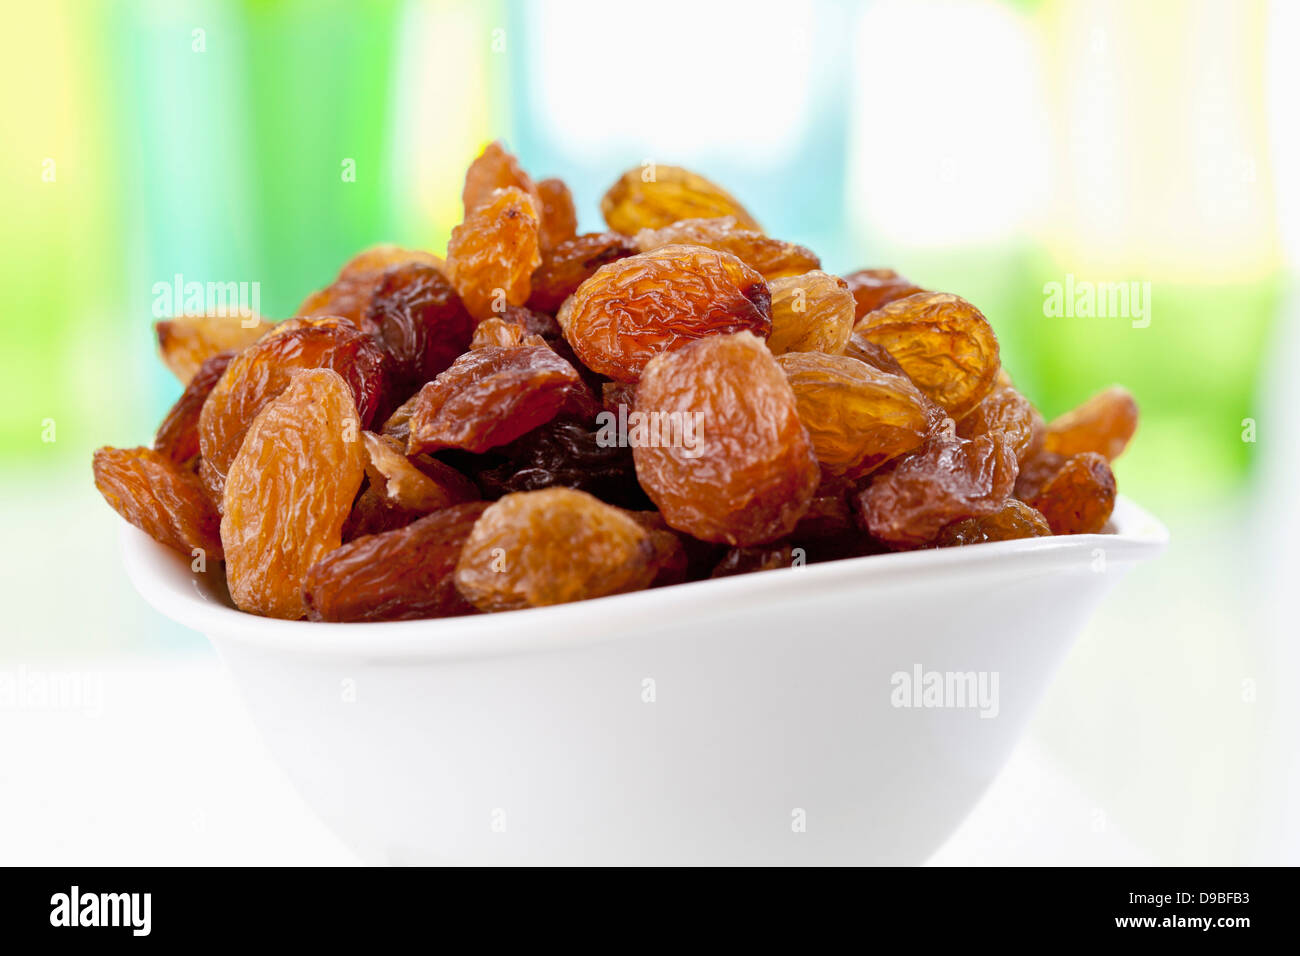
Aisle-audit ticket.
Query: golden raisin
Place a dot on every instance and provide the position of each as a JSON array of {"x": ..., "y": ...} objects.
[
  {"x": 490, "y": 396},
  {"x": 857, "y": 417},
  {"x": 289, "y": 490},
  {"x": 877, "y": 356},
  {"x": 422, "y": 485},
  {"x": 635, "y": 308},
  {"x": 178, "y": 435},
  {"x": 349, "y": 294},
  {"x": 495, "y": 168},
  {"x": 652, "y": 196},
  {"x": 571, "y": 263},
  {"x": 187, "y": 341},
  {"x": 1079, "y": 497},
  {"x": 770, "y": 258},
  {"x": 1103, "y": 424},
  {"x": 812, "y": 312},
  {"x": 1005, "y": 410},
  {"x": 159, "y": 497},
  {"x": 944, "y": 343},
  {"x": 492, "y": 254},
  {"x": 559, "y": 218},
  {"x": 873, "y": 288},
  {"x": 398, "y": 575},
  {"x": 1013, "y": 520},
  {"x": 537, "y": 548},
  {"x": 748, "y": 472}
]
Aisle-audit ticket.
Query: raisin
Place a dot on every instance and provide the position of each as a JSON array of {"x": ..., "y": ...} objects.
[
  {"x": 289, "y": 490},
  {"x": 1103, "y": 424},
  {"x": 812, "y": 312},
  {"x": 770, "y": 258},
  {"x": 492, "y": 254},
  {"x": 1036, "y": 470},
  {"x": 653, "y": 196},
  {"x": 873, "y": 288},
  {"x": 658, "y": 301},
  {"x": 768, "y": 557},
  {"x": 877, "y": 356},
  {"x": 566, "y": 453},
  {"x": 538, "y": 548},
  {"x": 829, "y": 513},
  {"x": 504, "y": 333},
  {"x": 1013, "y": 520},
  {"x": 187, "y": 341},
  {"x": 537, "y": 322},
  {"x": 495, "y": 168},
  {"x": 349, "y": 294},
  {"x": 948, "y": 479},
  {"x": 616, "y": 394},
  {"x": 1079, "y": 498},
  {"x": 262, "y": 371},
  {"x": 559, "y": 218},
  {"x": 1005, "y": 410},
  {"x": 398, "y": 424},
  {"x": 178, "y": 435},
  {"x": 856, "y": 416},
  {"x": 490, "y": 396},
  {"x": 569, "y": 264},
  {"x": 399, "y": 575},
  {"x": 749, "y": 472},
  {"x": 159, "y": 497},
  {"x": 422, "y": 485},
  {"x": 374, "y": 513},
  {"x": 943, "y": 342},
  {"x": 419, "y": 320}
]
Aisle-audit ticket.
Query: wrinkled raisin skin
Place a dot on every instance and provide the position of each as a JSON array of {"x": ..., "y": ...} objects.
[
  {"x": 653, "y": 197},
  {"x": 1079, "y": 498},
  {"x": 349, "y": 294},
  {"x": 751, "y": 473},
  {"x": 873, "y": 288},
  {"x": 492, "y": 254},
  {"x": 1004, "y": 410},
  {"x": 187, "y": 341},
  {"x": 559, "y": 217},
  {"x": 1104, "y": 424},
  {"x": 812, "y": 312},
  {"x": 159, "y": 497},
  {"x": 399, "y": 575},
  {"x": 636, "y": 308},
  {"x": 771, "y": 258},
  {"x": 1014, "y": 520},
  {"x": 420, "y": 321},
  {"x": 571, "y": 263},
  {"x": 178, "y": 435}
]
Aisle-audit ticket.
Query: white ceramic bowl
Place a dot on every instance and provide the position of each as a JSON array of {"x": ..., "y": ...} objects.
[{"x": 748, "y": 720}]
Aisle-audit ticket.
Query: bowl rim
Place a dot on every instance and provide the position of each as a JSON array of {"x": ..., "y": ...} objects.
[{"x": 163, "y": 577}]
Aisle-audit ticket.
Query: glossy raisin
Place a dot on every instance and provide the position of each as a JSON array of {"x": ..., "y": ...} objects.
[
  {"x": 1012, "y": 521},
  {"x": 1005, "y": 410},
  {"x": 749, "y": 472},
  {"x": 1103, "y": 424},
  {"x": 569, "y": 264},
  {"x": 423, "y": 484},
  {"x": 159, "y": 497},
  {"x": 399, "y": 575},
  {"x": 349, "y": 294},
  {"x": 873, "y": 288},
  {"x": 495, "y": 168},
  {"x": 492, "y": 254},
  {"x": 769, "y": 557},
  {"x": 948, "y": 479},
  {"x": 812, "y": 312},
  {"x": 636, "y": 308},
  {"x": 653, "y": 196},
  {"x": 770, "y": 258},
  {"x": 289, "y": 490},
  {"x": 1079, "y": 497},
  {"x": 419, "y": 320},
  {"x": 944, "y": 343},
  {"x": 490, "y": 396},
  {"x": 178, "y": 435},
  {"x": 559, "y": 217},
  {"x": 877, "y": 356},
  {"x": 187, "y": 341},
  {"x": 538, "y": 548}
]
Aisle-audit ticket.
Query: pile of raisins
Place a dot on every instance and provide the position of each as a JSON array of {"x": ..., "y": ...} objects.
[{"x": 543, "y": 416}]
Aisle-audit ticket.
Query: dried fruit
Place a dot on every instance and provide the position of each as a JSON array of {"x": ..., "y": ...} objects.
[
  {"x": 374, "y": 513},
  {"x": 770, "y": 258},
  {"x": 1079, "y": 497},
  {"x": 490, "y": 396},
  {"x": 1013, "y": 520},
  {"x": 426, "y": 486},
  {"x": 419, "y": 320},
  {"x": 768, "y": 557},
  {"x": 559, "y": 218},
  {"x": 856, "y": 416},
  {"x": 492, "y": 254},
  {"x": 178, "y": 435},
  {"x": 494, "y": 169},
  {"x": 262, "y": 371},
  {"x": 947, "y": 479},
  {"x": 1103, "y": 424},
  {"x": 749, "y": 472},
  {"x": 504, "y": 333},
  {"x": 652, "y": 196},
  {"x": 399, "y": 575},
  {"x": 159, "y": 497},
  {"x": 873, "y": 288},
  {"x": 1004, "y": 410},
  {"x": 289, "y": 490},
  {"x": 187, "y": 341},
  {"x": 812, "y": 312},
  {"x": 943, "y": 343},
  {"x": 569, "y": 264},
  {"x": 349, "y": 294},
  {"x": 553, "y": 546},
  {"x": 635, "y": 308},
  {"x": 877, "y": 356}
]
